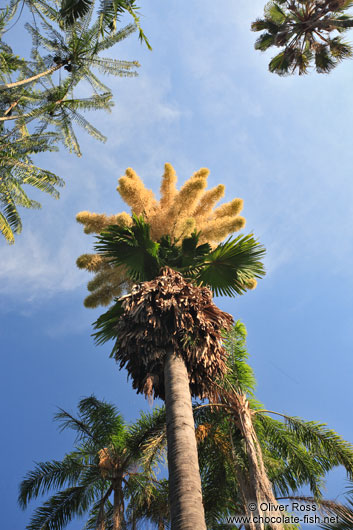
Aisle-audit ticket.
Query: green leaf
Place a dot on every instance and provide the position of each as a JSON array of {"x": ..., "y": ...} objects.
[{"x": 230, "y": 265}]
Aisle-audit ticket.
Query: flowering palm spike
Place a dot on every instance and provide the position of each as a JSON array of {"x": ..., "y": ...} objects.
[{"x": 177, "y": 214}]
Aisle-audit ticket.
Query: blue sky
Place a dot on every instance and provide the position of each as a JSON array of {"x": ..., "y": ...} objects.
[{"x": 203, "y": 97}]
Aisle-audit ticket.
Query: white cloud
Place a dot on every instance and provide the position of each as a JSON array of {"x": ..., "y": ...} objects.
[{"x": 34, "y": 269}]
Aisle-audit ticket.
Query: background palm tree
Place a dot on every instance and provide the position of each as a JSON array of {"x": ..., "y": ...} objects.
[
  {"x": 295, "y": 453},
  {"x": 40, "y": 112},
  {"x": 168, "y": 333},
  {"x": 93, "y": 479},
  {"x": 308, "y": 33}
]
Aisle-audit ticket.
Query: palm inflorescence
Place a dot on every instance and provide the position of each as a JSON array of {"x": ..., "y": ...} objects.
[{"x": 182, "y": 230}]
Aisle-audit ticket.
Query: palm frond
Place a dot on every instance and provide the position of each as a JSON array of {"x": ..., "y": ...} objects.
[
  {"x": 61, "y": 508},
  {"x": 131, "y": 247},
  {"x": 227, "y": 268},
  {"x": 47, "y": 476}
]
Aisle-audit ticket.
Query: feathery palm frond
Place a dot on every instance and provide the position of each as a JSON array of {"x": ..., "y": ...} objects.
[
  {"x": 107, "y": 448},
  {"x": 17, "y": 170},
  {"x": 61, "y": 508},
  {"x": 47, "y": 476}
]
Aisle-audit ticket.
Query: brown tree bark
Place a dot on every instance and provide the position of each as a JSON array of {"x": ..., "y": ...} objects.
[
  {"x": 256, "y": 487},
  {"x": 118, "y": 508},
  {"x": 185, "y": 496}
]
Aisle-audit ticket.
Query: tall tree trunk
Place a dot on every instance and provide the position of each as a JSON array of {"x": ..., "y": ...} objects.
[
  {"x": 185, "y": 496},
  {"x": 118, "y": 508},
  {"x": 258, "y": 489}
]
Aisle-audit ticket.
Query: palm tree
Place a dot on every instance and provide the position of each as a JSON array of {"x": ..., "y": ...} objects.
[
  {"x": 33, "y": 96},
  {"x": 308, "y": 32},
  {"x": 16, "y": 170},
  {"x": 75, "y": 49},
  {"x": 168, "y": 333},
  {"x": 289, "y": 455},
  {"x": 93, "y": 479}
]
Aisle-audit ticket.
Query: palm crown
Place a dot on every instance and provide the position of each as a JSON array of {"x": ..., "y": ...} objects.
[
  {"x": 183, "y": 225},
  {"x": 226, "y": 270},
  {"x": 303, "y": 29},
  {"x": 108, "y": 456}
]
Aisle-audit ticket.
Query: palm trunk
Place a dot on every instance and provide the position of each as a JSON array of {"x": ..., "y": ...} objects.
[
  {"x": 185, "y": 496},
  {"x": 118, "y": 508},
  {"x": 33, "y": 78},
  {"x": 258, "y": 489}
]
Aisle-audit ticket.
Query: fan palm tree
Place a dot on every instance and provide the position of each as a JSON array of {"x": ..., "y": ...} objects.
[
  {"x": 93, "y": 478},
  {"x": 168, "y": 333},
  {"x": 307, "y": 31},
  {"x": 16, "y": 171},
  {"x": 296, "y": 454}
]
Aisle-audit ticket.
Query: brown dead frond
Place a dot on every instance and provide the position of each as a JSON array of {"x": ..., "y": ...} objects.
[{"x": 171, "y": 312}]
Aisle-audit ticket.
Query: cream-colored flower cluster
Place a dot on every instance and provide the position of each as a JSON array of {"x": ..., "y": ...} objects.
[{"x": 177, "y": 214}]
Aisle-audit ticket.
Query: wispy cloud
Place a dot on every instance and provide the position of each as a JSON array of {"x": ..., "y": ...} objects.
[{"x": 33, "y": 268}]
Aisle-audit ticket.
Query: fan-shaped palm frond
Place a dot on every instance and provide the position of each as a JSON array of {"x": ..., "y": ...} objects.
[
  {"x": 303, "y": 31},
  {"x": 224, "y": 270}
]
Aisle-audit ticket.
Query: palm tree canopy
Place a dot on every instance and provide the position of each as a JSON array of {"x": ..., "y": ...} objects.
[
  {"x": 76, "y": 51},
  {"x": 225, "y": 270},
  {"x": 187, "y": 217},
  {"x": 303, "y": 29},
  {"x": 106, "y": 447},
  {"x": 172, "y": 306},
  {"x": 109, "y": 13},
  {"x": 170, "y": 312}
]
